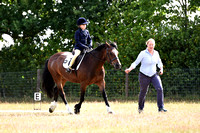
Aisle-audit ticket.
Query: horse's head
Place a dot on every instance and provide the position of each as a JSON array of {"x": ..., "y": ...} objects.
[{"x": 112, "y": 55}]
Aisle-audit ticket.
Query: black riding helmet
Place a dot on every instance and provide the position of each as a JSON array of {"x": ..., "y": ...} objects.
[{"x": 81, "y": 21}]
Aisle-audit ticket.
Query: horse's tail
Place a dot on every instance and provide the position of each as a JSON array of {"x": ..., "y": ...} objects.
[{"x": 48, "y": 83}]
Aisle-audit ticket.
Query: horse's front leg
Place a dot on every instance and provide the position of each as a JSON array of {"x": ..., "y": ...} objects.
[
  {"x": 59, "y": 91},
  {"x": 109, "y": 110},
  {"x": 102, "y": 89},
  {"x": 77, "y": 107}
]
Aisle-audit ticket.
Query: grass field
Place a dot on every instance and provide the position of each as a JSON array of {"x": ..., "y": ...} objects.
[{"x": 181, "y": 117}]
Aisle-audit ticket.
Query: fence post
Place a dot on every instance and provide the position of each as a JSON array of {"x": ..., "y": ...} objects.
[
  {"x": 38, "y": 80},
  {"x": 2, "y": 88},
  {"x": 126, "y": 85},
  {"x": 37, "y": 94}
]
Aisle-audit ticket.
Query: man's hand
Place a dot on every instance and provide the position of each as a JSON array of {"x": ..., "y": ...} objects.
[
  {"x": 127, "y": 70},
  {"x": 161, "y": 73}
]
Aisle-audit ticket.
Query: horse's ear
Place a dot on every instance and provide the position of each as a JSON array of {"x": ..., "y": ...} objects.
[
  {"x": 108, "y": 44},
  {"x": 110, "y": 41},
  {"x": 115, "y": 45}
]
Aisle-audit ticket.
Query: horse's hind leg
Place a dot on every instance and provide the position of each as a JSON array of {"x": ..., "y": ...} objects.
[
  {"x": 54, "y": 103},
  {"x": 59, "y": 91},
  {"x": 63, "y": 96}
]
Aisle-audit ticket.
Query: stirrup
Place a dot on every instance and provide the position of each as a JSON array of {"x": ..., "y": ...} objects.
[{"x": 69, "y": 70}]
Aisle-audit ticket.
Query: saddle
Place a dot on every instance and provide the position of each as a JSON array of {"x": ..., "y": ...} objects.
[{"x": 68, "y": 59}]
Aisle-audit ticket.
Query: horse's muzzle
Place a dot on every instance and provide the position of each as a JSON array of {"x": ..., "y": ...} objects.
[{"x": 117, "y": 66}]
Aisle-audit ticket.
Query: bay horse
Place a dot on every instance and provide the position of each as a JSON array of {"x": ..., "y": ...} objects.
[{"x": 91, "y": 71}]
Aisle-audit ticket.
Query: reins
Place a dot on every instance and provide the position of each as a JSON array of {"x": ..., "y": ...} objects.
[
  {"x": 96, "y": 57},
  {"x": 108, "y": 54}
]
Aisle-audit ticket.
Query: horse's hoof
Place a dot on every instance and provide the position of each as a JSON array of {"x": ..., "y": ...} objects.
[
  {"x": 111, "y": 112},
  {"x": 50, "y": 110},
  {"x": 77, "y": 111},
  {"x": 52, "y": 107},
  {"x": 70, "y": 113}
]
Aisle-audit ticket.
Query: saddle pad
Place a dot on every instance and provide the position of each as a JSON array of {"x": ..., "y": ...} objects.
[{"x": 67, "y": 61}]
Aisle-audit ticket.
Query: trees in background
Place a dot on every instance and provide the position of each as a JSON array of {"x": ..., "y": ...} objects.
[
  {"x": 170, "y": 24},
  {"x": 129, "y": 23}
]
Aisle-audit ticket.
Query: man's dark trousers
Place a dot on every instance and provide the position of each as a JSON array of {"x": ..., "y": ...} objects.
[{"x": 144, "y": 85}]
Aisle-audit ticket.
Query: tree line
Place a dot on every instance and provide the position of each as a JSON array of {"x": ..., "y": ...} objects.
[{"x": 130, "y": 23}]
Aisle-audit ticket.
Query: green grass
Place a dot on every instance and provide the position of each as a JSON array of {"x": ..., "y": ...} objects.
[{"x": 181, "y": 117}]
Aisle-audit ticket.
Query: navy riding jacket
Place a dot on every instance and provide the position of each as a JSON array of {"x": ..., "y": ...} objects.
[{"x": 83, "y": 39}]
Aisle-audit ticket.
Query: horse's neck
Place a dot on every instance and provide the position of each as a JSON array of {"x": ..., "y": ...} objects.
[{"x": 98, "y": 58}]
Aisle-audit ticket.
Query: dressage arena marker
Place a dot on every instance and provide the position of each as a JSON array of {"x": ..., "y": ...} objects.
[
  {"x": 37, "y": 94},
  {"x": 37, "y": 101}
]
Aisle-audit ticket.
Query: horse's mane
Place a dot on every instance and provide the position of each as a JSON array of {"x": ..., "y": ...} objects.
[{"x": 100, "y": 47}]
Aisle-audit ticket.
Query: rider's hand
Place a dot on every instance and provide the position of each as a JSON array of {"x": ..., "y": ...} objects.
[{"x": 90, "y": 47}]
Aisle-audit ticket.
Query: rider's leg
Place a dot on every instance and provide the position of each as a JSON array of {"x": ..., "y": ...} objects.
[{"x": 77, "y": 52}]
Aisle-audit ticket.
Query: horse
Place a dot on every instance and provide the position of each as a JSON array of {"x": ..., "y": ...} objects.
[{"x": 91, "y": 71}]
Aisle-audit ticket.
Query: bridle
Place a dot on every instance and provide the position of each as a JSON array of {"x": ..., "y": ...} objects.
[{"x": 108, "y": 55}]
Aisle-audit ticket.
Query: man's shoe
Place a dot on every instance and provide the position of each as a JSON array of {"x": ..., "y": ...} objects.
[
  {"x": 162, "y": 110},
  {"x": 69, "y": 70},
  {"x": 140, "y": 111}
]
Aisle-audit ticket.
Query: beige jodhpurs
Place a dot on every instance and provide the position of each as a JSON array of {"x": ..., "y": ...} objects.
[{"x": 77, "y": 52}]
